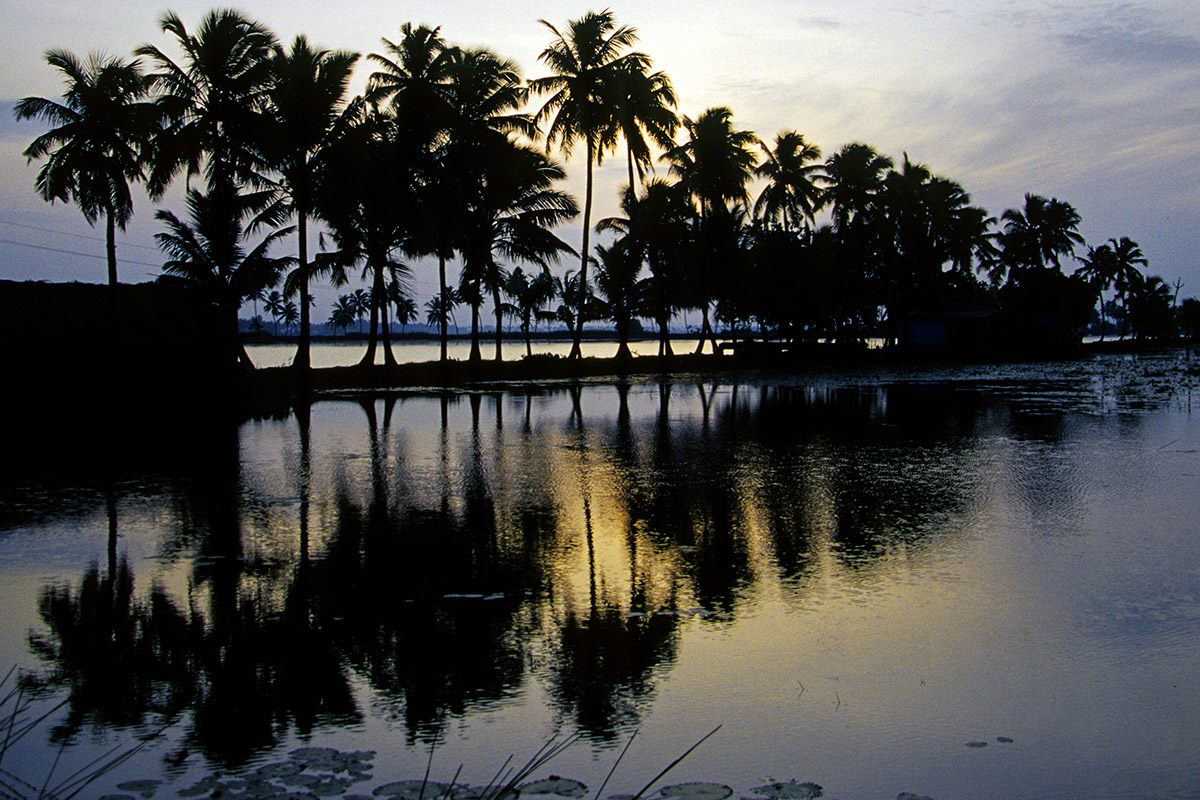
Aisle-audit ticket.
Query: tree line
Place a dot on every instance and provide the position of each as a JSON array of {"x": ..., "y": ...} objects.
[{"x": 446, "y": 155}]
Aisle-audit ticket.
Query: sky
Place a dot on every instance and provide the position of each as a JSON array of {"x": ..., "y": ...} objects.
[{"x": 1096, "y": 103}]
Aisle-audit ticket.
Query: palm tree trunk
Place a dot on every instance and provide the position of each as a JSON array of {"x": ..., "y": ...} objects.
[
  {"x": 499, "y": 320},
  {"x": 303, "y": 360},
  {"x": 445, "y": 333},
  {"x": 476, "y": 355},
  {"x": 110, "y": 242},
  {"x": 388, "y": 357},
  {"x": 377, "y": 297},
  {"x": 576, "y": 350}
]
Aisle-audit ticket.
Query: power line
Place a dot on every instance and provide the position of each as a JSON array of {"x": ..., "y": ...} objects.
[
  {"x": 75, "y": 253},
  {"x": 76, "y": 235}
]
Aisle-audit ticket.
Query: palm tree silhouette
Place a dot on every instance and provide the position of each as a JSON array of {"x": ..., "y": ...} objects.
[
  {"x": 306, "y": 113},
  {"x": 211, "y": 101},
  {"x": 95, "y": 147},
  {"x": 413, "y": 82},
  {"x": 1127, "y": 277},
  {"x": 1041, "y": 232},
  {"x": 207, "y": 254},
  {"x": 587, "y": 61},
  {"x": 655, "y": 228},
  {"x": 1099, "y": 268},
  {"x": 713, "y": 165},
  {"x": 644, "y": 103},
  {"x": 792, "y": 195}
]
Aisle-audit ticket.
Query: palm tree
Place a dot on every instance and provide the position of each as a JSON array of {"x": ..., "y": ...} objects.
[
  {"x": 1098, "y": 267},
  {"x": 511, "y": 217},
  {"x": 406, "y": 307},
  {"x": 529, "y": 296},
  {"x": 290, "y": 315},
  {"x": 713, "y": 165},
  {"x": 95, "y": 145},
  {"x": 656, "y": 228},
  {"x": 854, "y": 176},
  {"x": 306, "y": 112},
  {"x": 587, "y": 61},
  {"x": 1041, "y": 232},
  {"x": 440, "y": 308},
  {"x": 414, "y": 82},
  {"x": 273, "y": 305},
  {"x": 344, "y": 312},
  {"x": 792, "y": 195},
  {"x": 211, "y": 102},
  {"x": 617, "y": 282},
  {"x": 644, "y": 104},
  {"x": 1127, "y": 277},
  {"x": 485, "y": 95},
  {"x": 207, "y": 254}
]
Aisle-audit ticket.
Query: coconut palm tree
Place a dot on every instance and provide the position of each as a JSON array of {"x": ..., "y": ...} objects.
[
  {"x": 792, "y": 170},
  {"x": 1099, "y": 268},
  {"x": 207, "y": 254},
  {"x": 617, "y": 283},
  {"x": 713, "y": 165},
  {"x": 342, "y": 315},
  {"x": 413, "y": 82},
  {"x": 306, "y": 112},
  {"x": 95, "y": 146},
  {"x": 211, "y": 102},
  {"x": 656, "y": 228},
  {"x": 1040, "y": 233},
  {"x": 644, "y": 103},
  {"x": 273, "y": 305},
  {"x": 366, "y": 197},
  {"x": 511, "y": 217},
  {"x": 587, "y": 60},
  {"x": 529, "y": 296},
  {"x": 1127, "y": 275}
]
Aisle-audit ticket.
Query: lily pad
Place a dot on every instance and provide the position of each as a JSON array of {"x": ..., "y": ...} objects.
[
  {"x": 910, "y": 796},
  {"x": 411, "y": 790},
  {"x": 695, "y": 791},
  {"x": 791, "y": 790},
  {"x": 562, "y": 787},
  {"x": 312, "y": 753},
  {"x": 1004, "y": 740},
  {"x": 976, "y": 744},
  {"x": 280, "y": 769}
]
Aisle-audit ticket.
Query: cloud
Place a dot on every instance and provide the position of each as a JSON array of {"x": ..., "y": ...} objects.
[
  {"x": 1145, "y": 47},
  {"x": 821, "y": 23}
]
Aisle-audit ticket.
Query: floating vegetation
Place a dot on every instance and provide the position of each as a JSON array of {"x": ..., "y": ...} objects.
[
  {"x": 562, "y": 787},
  {"x": 790, "y": 790},
  {"x": 695, "y": 791},
  {"x": 976, "y": 744}
]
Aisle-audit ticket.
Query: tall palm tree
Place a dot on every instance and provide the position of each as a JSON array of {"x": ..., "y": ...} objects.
[
  {"x": 95, "y": 145},
  {"x": 306, "y": 113},
  {"x": 207, "y": 254},
  {"x": 485, "y": 95},
  {"x": 413, "y": 81},
  {"x": 617, "y": 282},
  {"x": 211, "y": 101},
  {"x": 714, "y": 165},
  {"x": 854, "y": 176},
  {"x": 273, "y": 305},
  {"x": 587, "y": 60},
  {"x": 366, "y": 196},
  {"x": 792, "y": 170},
  {"x": 511, "y": 217}
]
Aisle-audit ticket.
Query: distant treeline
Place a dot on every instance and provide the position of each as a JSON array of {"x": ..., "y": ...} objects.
[{"x": 447, "y": 155}]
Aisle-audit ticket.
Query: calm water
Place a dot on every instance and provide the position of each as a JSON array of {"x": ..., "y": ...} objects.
[
  {"x": 330, "y": 354},
  {"x": 855, "y": 575}
]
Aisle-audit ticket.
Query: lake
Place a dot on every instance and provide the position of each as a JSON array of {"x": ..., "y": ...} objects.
[{"x": 961, "y": 582}]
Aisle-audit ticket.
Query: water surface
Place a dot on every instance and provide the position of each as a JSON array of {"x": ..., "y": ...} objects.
[{"x": 855, "y": 575}]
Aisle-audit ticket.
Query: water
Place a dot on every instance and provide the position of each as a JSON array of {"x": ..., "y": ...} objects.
[
  {"x": 855, "y": 574},
  {"x": 345, "y": 354}
]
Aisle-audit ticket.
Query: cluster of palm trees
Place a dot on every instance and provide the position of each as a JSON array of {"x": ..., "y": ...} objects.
[{"x": 441, "y": 158}]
